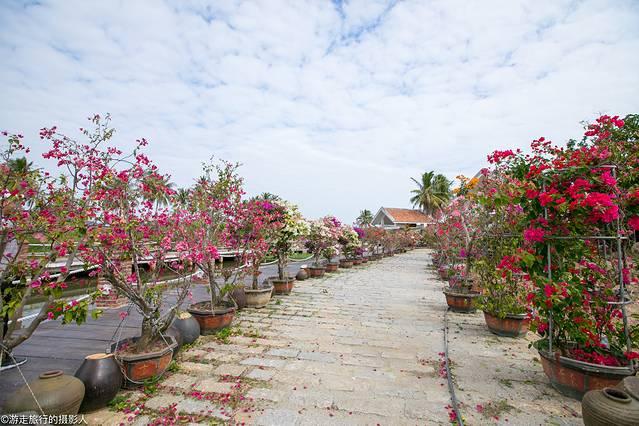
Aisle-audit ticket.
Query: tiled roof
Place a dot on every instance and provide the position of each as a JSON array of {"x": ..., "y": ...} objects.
[{"x": 408, "y": 215}]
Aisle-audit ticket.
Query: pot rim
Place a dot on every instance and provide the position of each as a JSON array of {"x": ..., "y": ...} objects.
[
  {"x": 51, "y": 374},
  {"x": 509, "y": 316},
  {"x": 258, "y": 291},
  {"x": 472, "y": 294},
  {"x": 98, "y": 356},
  {"x": 586, "y": 366},
  {"x": 193, "y": 310},
  {"x": 286, "y": 280},
  {"x": 622, "y": 396},
  {"x": 147, "y": 355}
]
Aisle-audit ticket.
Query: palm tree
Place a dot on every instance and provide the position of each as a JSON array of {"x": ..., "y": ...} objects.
[
  {"x": 365, "y": 218},
  {"x": 432, "y": 193},
  {"x": 182, "y": 196}
]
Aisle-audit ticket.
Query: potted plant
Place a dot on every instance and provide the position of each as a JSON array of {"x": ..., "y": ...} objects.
[
  {"x": 292, "y": 228},
  {"x": 212, "y": 203},
  {"x": 137, "y": 237},
  {"x": 50, "y": 213},
  {"x": 498, "y": 264},
  {"x": 349, "y": 242},
  {"x": 459, "y": 235},
  {"x": 319, "y": 238},
  {"x": 576, "y": 251},
  {"x": 329, "y": 253},
  {"x": 255, "y": 231}
]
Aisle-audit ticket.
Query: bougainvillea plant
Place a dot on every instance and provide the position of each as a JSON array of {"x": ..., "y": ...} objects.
[
  {"x": 570, "y": 195},
  {"x": 51, "y": 214},
  {"x": 322, "y": 235},
  {"x": 132, "y": 237},
  {"x": 294, "y": 228},
  {"x": 252, "y": 230},
  {"x": 349, "y": 242},
  {"x": 505, "y": 286},
  {"x": 214, "y": 205}
]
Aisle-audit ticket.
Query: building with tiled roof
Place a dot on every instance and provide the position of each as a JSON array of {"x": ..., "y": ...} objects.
[{"x": 393, "y": 218}]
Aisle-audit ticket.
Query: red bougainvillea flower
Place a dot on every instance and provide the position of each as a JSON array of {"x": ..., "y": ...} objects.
[{"x": 534, "y": 235}]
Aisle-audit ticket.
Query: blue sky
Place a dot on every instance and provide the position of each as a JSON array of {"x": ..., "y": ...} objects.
[{"x": 334, "y": 105}]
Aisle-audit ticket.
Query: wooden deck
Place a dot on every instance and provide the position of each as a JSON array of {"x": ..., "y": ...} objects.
[{"x": 57, "y": 347}]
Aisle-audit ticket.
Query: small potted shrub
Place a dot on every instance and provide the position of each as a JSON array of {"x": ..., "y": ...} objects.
[
  {"x": 458, "y": 236},
  {"x": 293, "y": 228},
  {"x": 349, "y": 242}
]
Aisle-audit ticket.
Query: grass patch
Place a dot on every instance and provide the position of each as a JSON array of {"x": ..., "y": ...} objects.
[
  {"x": 494, "y": 409},
  {"x": 225, "y": 334}
]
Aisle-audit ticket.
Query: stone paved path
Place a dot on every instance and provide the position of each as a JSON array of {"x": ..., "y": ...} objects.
[{"x": 356, "y": 347}]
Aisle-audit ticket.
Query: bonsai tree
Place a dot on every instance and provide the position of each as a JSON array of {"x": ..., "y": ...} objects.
[
  {"x": 330, "y": 252},
  {"x": 319, "y": 238},
  {"x": 373, "y": 237},
  {"x": 293, "y": 228},
  {"x": 217, "y": 217},
  {"x": 349, "y": 242},
  {"x": 253, "y": 231},
  {"x": 134, "y": 237},
  {"x": 52, "y": 214}
]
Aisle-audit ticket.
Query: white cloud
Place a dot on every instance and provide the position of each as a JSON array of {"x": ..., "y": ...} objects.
[{"x": 333, "y": 105}]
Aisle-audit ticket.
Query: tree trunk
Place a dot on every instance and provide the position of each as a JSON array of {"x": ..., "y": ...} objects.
[
  {"x": 281, "y": 265},
  {"x": 148, "y": 336}
]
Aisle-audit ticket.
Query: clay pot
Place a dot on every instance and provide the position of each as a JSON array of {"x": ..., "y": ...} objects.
[
  {"x": 332, "y": 266},
  {"x": 283, "y": 286},
  {"x": 258, "y": 298},
  {"x": 357, "y": 261},
  {"x": 211, "y": 321},
  {"x": 56, "y": 392},
  {"x": 609, "y": 406},
  {"x": 188, "y": 326},
  {"x": 509, "y": 326},
  {"x": 365, "y": 259},
  {"x": 177, "y": 334},
  {"x": 143, "y": 366},
  {"x": 346, "y": 264},
  {"x": 317, "y": 271},
  {"x": 574, "y": 378},
  {"x": 102, "y": 380},
  {"x": 301, "y": 274},
  {"x": 463, "y": 302}
]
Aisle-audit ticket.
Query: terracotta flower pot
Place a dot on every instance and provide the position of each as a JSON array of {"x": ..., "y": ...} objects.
[
  {"x": 357, "y": 261},
  {"x": 331, "y": 267},
  {"x": 102, "y": 380},
  {"x": 510, "y": 326},
  {"x": 463, "y": 302},
  {"x": 317, "y": 271},
  {"x": 56, "y": 392},
  {"x": 258, "y": 298},
  {"x": 283, "y": 286},
  {"x": 365, "y": 259},
  {"x": 610, "y": 406},
  {"x": 214, "y": 320},
  {"x": 143, "y": 366},
  {"x": 574, "y": 378},
  {"x": 346, "y": 264}
]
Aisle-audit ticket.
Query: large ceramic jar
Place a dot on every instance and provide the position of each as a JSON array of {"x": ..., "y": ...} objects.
[
  {"x": 56, "y": 392},
  {"x": 102, "y": 380},
  {"x": 609, "y": 406},
  {"x": 188, "y": 326},
  {"x": 301, "y": 275}
]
